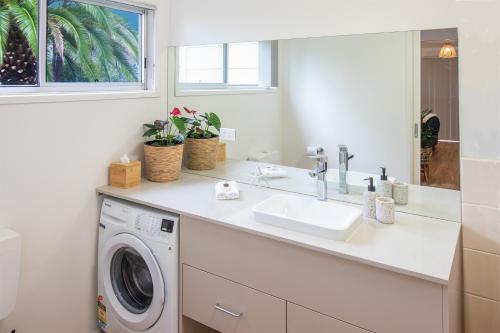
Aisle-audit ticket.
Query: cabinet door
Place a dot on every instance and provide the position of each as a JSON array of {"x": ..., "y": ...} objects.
[
  {"x": 229, "y": 307},
  {"x": 301, "y": 320}
]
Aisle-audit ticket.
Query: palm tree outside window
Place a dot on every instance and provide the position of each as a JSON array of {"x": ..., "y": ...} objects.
[{"x": 87, "y": 42}]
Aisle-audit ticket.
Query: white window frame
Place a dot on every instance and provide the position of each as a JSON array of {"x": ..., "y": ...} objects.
[
  {"x": 147, "y": 55},
  {"x": 270, "y": 84}
]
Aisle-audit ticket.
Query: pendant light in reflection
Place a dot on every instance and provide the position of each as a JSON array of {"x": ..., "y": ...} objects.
[{"x": 447, "y": 51}]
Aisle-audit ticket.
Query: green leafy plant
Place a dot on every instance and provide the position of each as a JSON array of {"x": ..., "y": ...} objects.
[
  {"x": 90, "y": 43},
  {"x": 201, "y": 126},
  {"x": 85, "y": 43},
  {"x": 167, "y": 132},
  {"x": 427, "y": 135},
  {"x": 18, "y": 42}
]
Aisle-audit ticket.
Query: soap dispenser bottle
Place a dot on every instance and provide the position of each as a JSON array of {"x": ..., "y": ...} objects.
[
  {"x": 369, "y": 200},
  {"x": 384, "y": 186}
]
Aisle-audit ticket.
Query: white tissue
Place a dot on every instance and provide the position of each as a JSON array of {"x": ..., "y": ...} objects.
[
  {"x": 273, "y": 172},
  {"x": 312, "y": 150},
  {"x": 227, "y": 190},
  {"x": 124, "y": 159}
]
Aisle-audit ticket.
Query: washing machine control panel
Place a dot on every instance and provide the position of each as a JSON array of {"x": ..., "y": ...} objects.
[{"x": 155, "y": 226}]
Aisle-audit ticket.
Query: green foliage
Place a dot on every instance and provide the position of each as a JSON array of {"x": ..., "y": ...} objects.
[
  {"x": 200, "y": 126},
  {"x": 85, "y": 43},
  {"x": 97, "y": 45},
  {"x": 166, "y": 132},
  {"x": 4, "y": 30},
  {"x": 427, "y": 135},
  {"x": 23, "y": 14}
]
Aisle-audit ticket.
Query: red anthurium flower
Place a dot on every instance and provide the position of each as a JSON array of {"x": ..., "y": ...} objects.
[{"x": 175, "y": 112}]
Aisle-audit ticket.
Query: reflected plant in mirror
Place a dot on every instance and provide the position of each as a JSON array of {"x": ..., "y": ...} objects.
[
  {"x": 202, "y": 143},
  {"x": 390, "y": 97},
  {"x": 200, "y": 126}
]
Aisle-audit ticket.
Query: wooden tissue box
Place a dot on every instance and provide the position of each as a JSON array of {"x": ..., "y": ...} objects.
[
  {"x": 125, "y": 175},
  {"x": 221, "y": 152}
]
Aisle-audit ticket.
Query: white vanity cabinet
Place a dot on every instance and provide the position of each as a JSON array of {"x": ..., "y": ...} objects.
[
  {"x": 230, "y": 307},
  {"x": 301, "y": 320},
  {"x": 236, "y": 281}
]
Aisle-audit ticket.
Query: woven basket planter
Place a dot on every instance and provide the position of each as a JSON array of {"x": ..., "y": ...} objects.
[
  {"x": 201, "y": 154},
  {"x": 163, "y": 163}
]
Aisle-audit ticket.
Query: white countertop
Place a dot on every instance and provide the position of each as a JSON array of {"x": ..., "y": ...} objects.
[
  {"x": 422, "y": 200},
  {"x": 415, "y": 245}
]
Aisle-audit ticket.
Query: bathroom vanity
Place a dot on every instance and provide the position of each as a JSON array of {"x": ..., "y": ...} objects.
[
  {"x": 240, "y": 275},
  {"x": 321, "y": 116}
]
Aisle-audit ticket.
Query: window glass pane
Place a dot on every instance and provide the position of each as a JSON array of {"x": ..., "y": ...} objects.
[
  {"x": 243, "y": 63},
  {"x": 201, "y": 64},
  {"x": 90, "y": 43},
  {"x": 243, "y": 76},
  {"x": 18, "y": 42}
]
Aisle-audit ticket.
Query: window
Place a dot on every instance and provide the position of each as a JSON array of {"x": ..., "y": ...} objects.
[
  {"x": 83, "y": 45},
  {"x": 201, "y": 64},
  {"x": 243, "y": 63},
  {"x": 19, "y": 42},
  {"x": 251, "y": 65}
]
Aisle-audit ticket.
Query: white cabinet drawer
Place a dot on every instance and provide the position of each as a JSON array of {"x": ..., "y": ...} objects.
[
  {"x": 229, "y": 307},
  {"x": 301, "y": 320},
  {"x": 357, "y": 293}
]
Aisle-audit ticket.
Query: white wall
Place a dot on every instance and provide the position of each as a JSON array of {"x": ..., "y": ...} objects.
[
  {"x": 198, "y": 22},
  {"x": 255, "y": 116},
  {"x": 53, "y": 156},
  {"x": 348, "y": 90}
]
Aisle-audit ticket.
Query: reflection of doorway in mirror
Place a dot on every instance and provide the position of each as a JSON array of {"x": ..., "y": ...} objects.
[{"x": 439, "y": 128}]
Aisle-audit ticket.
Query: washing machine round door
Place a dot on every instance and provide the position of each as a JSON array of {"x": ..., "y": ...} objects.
[{"x": 133, "y": 282}]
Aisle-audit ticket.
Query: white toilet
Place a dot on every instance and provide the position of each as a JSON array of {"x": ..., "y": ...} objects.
[{"x": 10, "y": 262}]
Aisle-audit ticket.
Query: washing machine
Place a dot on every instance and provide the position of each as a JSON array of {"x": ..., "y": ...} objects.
[{"x": 137, "y": 273}]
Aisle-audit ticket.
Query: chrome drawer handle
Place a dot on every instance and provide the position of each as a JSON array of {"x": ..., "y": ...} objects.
[{"x": 234, "y": 314}]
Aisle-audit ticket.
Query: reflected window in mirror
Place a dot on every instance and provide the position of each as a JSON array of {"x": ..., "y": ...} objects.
[
  {"x": 227, "y": 66},
  {"x": 201, "y": 64}
]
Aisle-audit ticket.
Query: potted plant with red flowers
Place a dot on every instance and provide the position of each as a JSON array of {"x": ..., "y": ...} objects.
[
  {"x": 163, "y": 154},
  {"x": 202, "y": 139}
]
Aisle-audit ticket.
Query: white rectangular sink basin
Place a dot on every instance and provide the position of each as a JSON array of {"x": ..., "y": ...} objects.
[{"x": 309, "y": 215}]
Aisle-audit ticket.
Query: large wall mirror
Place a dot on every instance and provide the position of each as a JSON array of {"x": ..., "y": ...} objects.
[{"x": 391, "y": 99}]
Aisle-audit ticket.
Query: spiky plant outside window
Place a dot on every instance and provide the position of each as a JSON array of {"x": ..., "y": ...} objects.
[
  {"x": 90, "y": 43},
  {"x": 18, "y": 42},
  {"x": 85, "y": 43}
]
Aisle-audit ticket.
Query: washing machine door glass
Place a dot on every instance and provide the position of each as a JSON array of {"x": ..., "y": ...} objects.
[{"x": 133, "y": 282}]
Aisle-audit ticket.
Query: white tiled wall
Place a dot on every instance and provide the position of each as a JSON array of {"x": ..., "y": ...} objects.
[{"x": 481, "y": 240}]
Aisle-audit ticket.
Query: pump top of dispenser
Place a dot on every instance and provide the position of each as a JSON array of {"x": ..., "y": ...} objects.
[
  {"x": 371, "y": 187},
  {"x": 383, "y": 176}
]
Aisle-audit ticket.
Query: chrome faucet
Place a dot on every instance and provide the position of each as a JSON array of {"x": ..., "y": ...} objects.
[
  {"x": 319, "y": 172},
  {"x": 344, "y": 158}
]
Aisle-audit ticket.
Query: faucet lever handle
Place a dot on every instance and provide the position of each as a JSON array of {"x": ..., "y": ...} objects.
[
  {"x": 313, "y": 173},
  {"x": 350, "y": 156}
]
